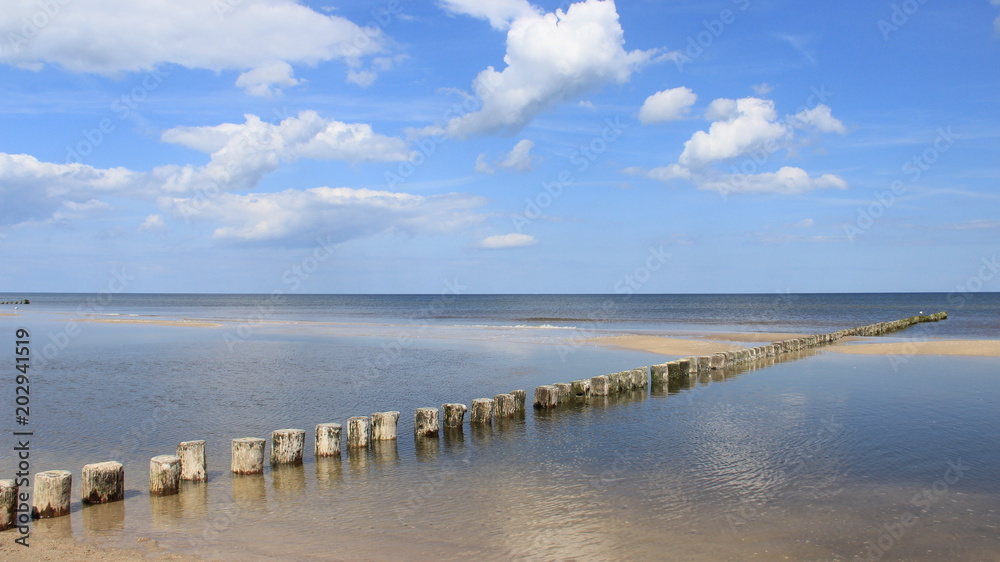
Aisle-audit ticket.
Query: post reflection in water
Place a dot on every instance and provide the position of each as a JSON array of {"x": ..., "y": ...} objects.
[
  {"x": 54, "y": 528},
  {"x": 194, "y": 498},
  {"x": 165, "y": 511},
  {"x": 103, "y": 517},
  {"x": 288, "y": 480},
  {"x": 329, "y": 472},
  {"x": 427, "y": 448},
  {"x": 385, "y": 452},
  {"x": 249, "y": 491}
]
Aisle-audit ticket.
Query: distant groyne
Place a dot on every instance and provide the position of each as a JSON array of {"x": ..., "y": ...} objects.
[{"x": 104, "y": 482}]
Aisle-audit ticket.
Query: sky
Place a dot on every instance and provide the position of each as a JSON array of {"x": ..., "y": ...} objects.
[{"x": 499, "y": 146}]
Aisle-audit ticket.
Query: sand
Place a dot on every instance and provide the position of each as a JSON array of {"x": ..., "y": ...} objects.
[
  {"x": 60, "y": 550},
  {"x": 186, "y": 323},
  {"x": 687, "y": 346},
  {"x": 666, "y": 346},
  {"x": 977, "y": 348}
]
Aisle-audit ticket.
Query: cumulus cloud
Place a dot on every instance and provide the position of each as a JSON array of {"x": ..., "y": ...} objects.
[
  {"x": 513, "y": 240},
  {"x": 339, "y": 214},
  {"x": 114, "y": 36},
  {"x": 519, "y": 159},
  {"x": 741, "y": 126},
  {"x": 153, "y": 223},
  {"x": 551, "y": 59},
  {"x": 668, "y": 105},
  {"x": 500, "y": 13},
  {"x": 266, "y": 81},
  {"x": 786, "y": 181},
  {"x": 749, "y": 128},
  {"x": 240, "y": 155}
]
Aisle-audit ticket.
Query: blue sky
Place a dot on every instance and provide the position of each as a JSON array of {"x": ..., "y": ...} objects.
[{"x": 500, "y": 145}]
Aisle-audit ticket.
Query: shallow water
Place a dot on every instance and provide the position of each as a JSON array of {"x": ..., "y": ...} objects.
[{"x": 830, "y": 457}]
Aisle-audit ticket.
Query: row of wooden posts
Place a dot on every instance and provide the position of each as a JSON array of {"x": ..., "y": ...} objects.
[
  {"x": 105, "y": 482},
  {"x": 23, "y": 301}
]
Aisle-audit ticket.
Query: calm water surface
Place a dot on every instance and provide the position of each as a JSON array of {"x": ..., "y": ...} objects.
[{"x": 830, "y": 457}]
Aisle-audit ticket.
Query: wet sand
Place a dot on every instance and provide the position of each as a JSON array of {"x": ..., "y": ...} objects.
[
  {"x": 976, "y": 348},
  {"x": 685, "y": 346},
  {"x": 63, "y": 549},
  {"x": 186, "y": 323}
]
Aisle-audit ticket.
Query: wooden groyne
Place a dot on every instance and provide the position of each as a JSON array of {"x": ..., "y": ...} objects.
[
  {"x": 22, "y": 301},
  {"x": 104, "y": 482}
]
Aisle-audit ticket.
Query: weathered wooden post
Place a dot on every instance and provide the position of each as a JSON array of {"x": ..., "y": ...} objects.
[
  {"x": 248, "y": 455},
  {"x": 581, "y": 389},
  {"x": 454, "y": 415},
  {"x": 657, "y": 374},
  {"x": 520, "y": 396},
  {"x": 287, "y": 446},
  {"x": 384, "y": 426},
  {"x": 358, "y": 432},
  {"x": 546, "y": 397},
  {"x": 717, "y": 361},
  {"x": 599, "y": 385},
  {"x": 103, "y": 482},
  {"x": 193, "y": 466},
  {"x": 482, "y": 411},
  {"x": 164, "y": 475},
  {"x": 704, "y": 363},
  {"x": 52, "y": 494},
  {"x": 328, "y": 439},
  {"x": 564, "y": 389},
  {"x": 504, "y": 406},
  {"x": 8, "y": 504},
  {"x": 425, "y": 422}
]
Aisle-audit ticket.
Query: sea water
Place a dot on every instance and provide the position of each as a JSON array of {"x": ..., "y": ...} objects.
[{"x": 828, "y": 457}]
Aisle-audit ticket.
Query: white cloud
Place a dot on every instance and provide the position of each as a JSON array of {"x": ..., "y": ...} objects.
[
  {"x": 267, "y": 80},
  {"x": 551, "y": 59},
  {"x": 512, "y": 240},
  {"x": 114, "y": 36},
  {"x": 153, "y": 223},
  {"x": 662, "y": 173},
  {"x": 500, "y": 13},
  {"x": 519, "y": 159},
  {"x": 482, "y": 166},
  {"x": 722, "y": 109},
  {"x": 762, "y": 89},
  {"x": 820, "y": 118},
  {"x": 752, "y": 122},
  {"x": 668, "y": 105},
  {"x": 786, "y": 181},
  {"x": 804, "y": 223},
  {"x": 337, "y": 213},
  {"x": 241, "y": 154}
]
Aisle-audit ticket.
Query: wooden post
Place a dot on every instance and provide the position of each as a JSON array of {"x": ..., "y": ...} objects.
[
  {"x": 384, "y": 426},
  {"x": 248, "y": 455},
  {"x": 164, "y": 475},
  {"x": 640, "y": 378},
  {"x": 482, "y": 411},
  {"x": 8, "y": 503},
  {"x": 546, "y": 397},
  {"x": 704, "y": 363},
  {"x": 52, "y": 491},
  {"x": 425, "y": 422},
  {"x": 358, "y": 432},
  {"x": 717, "y": 362},
  {"x": 520, "y": 397},
  {"x": 581, "y": 389},
  {"x": 564, "y": 389},
  {"x": 454, "y": 415},
  {"x": 328, "y": 439},
  {"x": 103, "y": 482},
  {"x": 657, "y": 373},
  {"x": 287, "y": 446},
  {"x": 193, "y": 466},
  {"x": 504, "y": 406},
  {"x": 599, "y": 385}
]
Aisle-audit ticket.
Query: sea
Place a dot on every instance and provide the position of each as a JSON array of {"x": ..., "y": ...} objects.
[{"x": 825, "y": 457}]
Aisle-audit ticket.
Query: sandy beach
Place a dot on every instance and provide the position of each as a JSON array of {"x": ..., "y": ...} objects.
[
  {"x": 977, "y": 348},
  {"x": 64, "y": 549}
]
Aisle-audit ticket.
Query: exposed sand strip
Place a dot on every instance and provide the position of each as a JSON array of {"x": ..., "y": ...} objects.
[
  {"x": 666, "y": 346},
  {"x": 188, "y": 323},
  {"x": 979, "y": 348}
]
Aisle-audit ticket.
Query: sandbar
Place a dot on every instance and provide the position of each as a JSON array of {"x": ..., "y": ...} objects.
[
  {"x": 665, "y": 345},
  {"x": 977, "y": 348},
  {"x": 188, "y": 323}
]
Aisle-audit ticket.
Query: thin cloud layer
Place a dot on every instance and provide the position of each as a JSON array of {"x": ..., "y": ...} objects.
[
  {"x": 551, "y": 59},
  {"x": 262, "y": 39},
  {"x": 513, "y": 240},
  {"x": 500, "y": 13}
]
